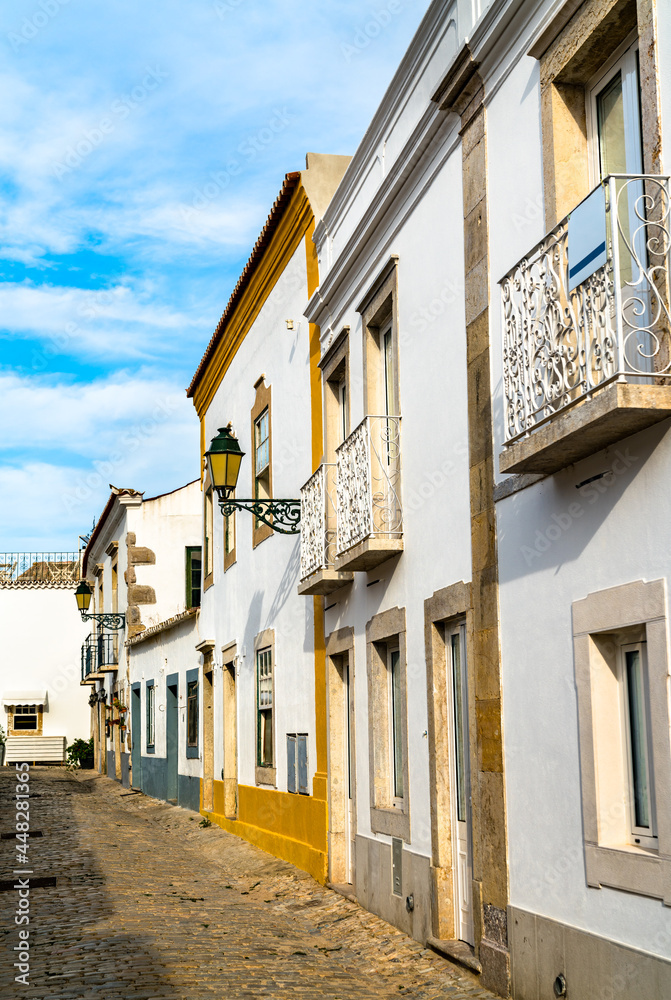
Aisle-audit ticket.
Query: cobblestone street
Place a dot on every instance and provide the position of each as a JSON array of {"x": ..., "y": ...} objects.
[{"x": 146, "y": 903}]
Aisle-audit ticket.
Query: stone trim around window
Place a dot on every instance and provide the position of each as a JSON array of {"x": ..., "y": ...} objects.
[
  {"x": 11, "y": 731},
  {"x": 192, "y": 752},
  {"x": 601, "y": 623},
  {"x": 382, "y": 630},
  {"x": 264, "y": 775},
  {"x": 568, "y": 62},
  {"x": 262, "y": 401},
  {"x": 378, "y": 309}
]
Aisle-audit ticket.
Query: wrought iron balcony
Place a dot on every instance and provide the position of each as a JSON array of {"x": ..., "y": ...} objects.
[
  {"x": 588, "y": 366},
  {"x": 99, "y": 654},
  {"x": 38, "y": 569},
  {"x": 368, "y": 481},
  {"x": 318, "y": 534}
]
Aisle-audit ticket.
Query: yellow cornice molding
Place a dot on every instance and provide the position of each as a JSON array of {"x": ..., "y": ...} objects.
[{"x": 285, "y": 240}]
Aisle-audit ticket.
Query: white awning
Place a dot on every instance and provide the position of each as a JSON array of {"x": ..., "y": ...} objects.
[{"x": 10, "y": 698}]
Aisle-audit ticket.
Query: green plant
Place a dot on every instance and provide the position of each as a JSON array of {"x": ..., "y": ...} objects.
[
  {"x": 79, "y": 750},
  {"x": 205, "y": 822}
]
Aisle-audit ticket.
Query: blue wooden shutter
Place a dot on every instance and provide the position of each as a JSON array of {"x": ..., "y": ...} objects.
[
  {"x": 291, "y": 763},
  {"x": 303, "y": 765}
]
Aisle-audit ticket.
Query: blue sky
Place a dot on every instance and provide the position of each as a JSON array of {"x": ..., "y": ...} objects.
[{"x": 135, "y": 175}]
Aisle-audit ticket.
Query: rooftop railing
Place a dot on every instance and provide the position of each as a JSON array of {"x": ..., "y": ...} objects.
[
  {"x": 562, "y": 344},
  {"x": 38, "y": 569}
]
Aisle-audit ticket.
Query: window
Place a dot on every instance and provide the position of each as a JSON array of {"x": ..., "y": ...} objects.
[
  {"x": 208, "y": 540},
  {"x": 636, "y": 725},
  {"x": 387, "y": 724},
  {"x": 614, "y": 123},
  {"x": 395, "y": 698},
  {"x": 25, "y": 717},
  {"x": 264, "y": 674},
  {"x": 380, "y": 344},
  {"x": 343, "y": 407},
  {"x": 262, "y": 444},
  {"x": 150, "y": 706},
  {"x": 262, "y": 478},
  {"x": 622, "y": 673},
  {"x": 335, "y": 375},
  {"x": 192, "y": 713},
  {"x": 193, "y": 570}
]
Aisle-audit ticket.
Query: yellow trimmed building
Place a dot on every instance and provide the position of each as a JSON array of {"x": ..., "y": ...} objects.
[{"x": 255, "y": 711}]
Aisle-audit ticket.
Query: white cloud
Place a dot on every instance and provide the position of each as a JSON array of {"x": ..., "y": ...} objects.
[
  {"x": 113, "y": 323},
  {"x": 119, "y": 430}
]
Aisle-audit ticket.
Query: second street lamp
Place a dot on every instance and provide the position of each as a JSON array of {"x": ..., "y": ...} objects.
[
  {"x": 223, "y": 462},
  {"x": 111, "y": 619}
]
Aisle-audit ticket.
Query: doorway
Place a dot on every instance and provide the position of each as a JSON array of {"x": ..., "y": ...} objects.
[
  {"x": 230, "y": 769},
  {"x": 172, "y": 736},
  {"x": 136, "y": 737},
  {"x": 208, "y": 742},
  {"x": 341, "y": 767},
  {"x": 457, "y": 687}
]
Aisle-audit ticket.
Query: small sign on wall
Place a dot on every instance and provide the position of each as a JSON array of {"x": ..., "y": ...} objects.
[{"x": 587, "y": 246}]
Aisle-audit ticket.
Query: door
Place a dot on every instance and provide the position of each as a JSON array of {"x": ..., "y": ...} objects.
[
  {"x": 350, "y": 771},
  {"x": 208, "y": 742},
  {"x": 136, "y": 738},
  {"x": 172, "y": 741},
  {"x": 461, "y": 786},
  {"x": 230, "y": 769}
]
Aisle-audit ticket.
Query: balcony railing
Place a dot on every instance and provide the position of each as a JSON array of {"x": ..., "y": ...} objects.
[
  {"x": 368, "y": 477},
  {"x": 99, "y": 652},
  {"x": 38, "y": 569},
  {"x": 318, "y": 521},
  {"x": 560, "y": 346}
]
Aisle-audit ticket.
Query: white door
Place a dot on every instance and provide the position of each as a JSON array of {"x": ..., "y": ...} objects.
[
  {"x": 350, "y": 811},
  {"x": 461, "y": 786}
]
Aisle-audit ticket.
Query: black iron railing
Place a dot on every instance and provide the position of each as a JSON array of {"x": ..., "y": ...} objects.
[{"x": 99, "y": 652}]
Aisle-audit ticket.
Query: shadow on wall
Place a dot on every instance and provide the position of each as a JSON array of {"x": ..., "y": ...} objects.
[{"x": 551, "y": 523}]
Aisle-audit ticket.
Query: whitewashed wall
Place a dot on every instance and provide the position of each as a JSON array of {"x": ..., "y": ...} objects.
[
  {"x": 259, "y": 591},
  {"x": 548, "y": 560},
  {"x": 42, "y": 634}
]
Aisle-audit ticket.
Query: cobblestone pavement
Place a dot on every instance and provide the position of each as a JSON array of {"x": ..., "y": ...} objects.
[{"x": 147, "y": 904}]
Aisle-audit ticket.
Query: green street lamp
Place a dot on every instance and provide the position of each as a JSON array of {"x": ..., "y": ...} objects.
[
  {"x": 223, "y": 462},
  {"x": 111, "y": 620}
]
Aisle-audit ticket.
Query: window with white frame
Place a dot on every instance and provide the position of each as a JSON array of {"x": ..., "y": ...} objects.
[
  {"x": 613, "y": 116},
  {"x": 151, "y": 716},
  {"x": 622, "y": 680},
  {"x": 396, "y": 722},
  {"x": 635, "y": 701},
  {"x": 264, "y": 674}
]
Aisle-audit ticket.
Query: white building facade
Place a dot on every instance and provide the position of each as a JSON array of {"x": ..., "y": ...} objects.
[
  {"x": 143, "y": 563},
  {"x": 43, "y": 708},
  {"x": 496, "y": 639},
  {"x": 580, "y": 384}
]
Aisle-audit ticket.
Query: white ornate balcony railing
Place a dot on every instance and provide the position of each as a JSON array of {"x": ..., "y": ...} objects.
[
  {"x": 318, "y": 521},
  {"x": 39, "y": 569},
  {"x": 560, "y": 346},
  {"x": 368, "y": 477}
]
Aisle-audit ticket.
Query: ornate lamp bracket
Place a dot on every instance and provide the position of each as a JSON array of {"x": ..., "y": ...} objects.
[
  {"x": 109, "y": 620},
  {"x": 280, "y": 515}
]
